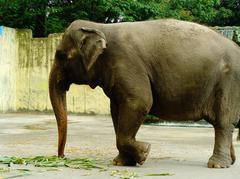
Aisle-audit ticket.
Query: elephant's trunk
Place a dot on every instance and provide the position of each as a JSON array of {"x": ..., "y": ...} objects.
[{"x": 58, "y": 100}]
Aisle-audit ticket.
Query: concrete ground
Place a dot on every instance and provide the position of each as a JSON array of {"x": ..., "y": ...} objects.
[{"x": 181, "y": 152}]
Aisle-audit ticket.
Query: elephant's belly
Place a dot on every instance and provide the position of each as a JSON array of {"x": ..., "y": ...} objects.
[
  {"x": 178, "y": 111},
  {"x": 190, "y": 100}
]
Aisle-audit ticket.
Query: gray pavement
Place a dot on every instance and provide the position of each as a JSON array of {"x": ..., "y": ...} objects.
[{"x": 182, "y": 152}]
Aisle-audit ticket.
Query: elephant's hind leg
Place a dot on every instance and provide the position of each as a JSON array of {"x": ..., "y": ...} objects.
[
  {"x": 223, "y": 153},
  {"x": 225, "y": 109}
]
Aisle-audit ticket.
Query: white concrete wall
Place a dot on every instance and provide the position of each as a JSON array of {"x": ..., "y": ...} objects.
[{"x": 8, "y": 63}]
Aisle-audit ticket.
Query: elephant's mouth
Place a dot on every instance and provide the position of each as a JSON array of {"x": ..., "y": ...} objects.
[{"x": 63, "y": 85}]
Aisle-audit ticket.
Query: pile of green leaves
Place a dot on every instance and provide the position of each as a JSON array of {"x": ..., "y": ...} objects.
[{"x": 53, "y": 161}]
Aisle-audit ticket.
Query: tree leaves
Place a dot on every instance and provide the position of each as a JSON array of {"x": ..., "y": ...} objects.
[{"x": 51, "y": 16}]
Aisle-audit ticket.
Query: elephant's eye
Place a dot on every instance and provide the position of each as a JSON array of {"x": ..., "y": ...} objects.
[{"x": 60, "y": 55}]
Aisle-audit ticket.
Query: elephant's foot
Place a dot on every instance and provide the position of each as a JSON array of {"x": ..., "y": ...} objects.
[
  {"x": 217, "y": 161},
  {"x": 136, "y": 151},
  {"x": 122, "y": 160},
  {"x": 143, "y": 151},
  {"x": 223, "y": 153}
]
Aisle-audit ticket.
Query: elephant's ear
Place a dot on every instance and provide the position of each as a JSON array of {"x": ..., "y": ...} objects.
[{"x": 91, "y": 43}]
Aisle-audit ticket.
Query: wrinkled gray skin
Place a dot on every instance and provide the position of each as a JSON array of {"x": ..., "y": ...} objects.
[{"x": 173, "y": 69}]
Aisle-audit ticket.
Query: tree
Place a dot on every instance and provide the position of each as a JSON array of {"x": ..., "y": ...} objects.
[
  {"x": 24, "y": 14},
  {"x": 228, "y": 13},
  {"x": 49, "y": 16}
]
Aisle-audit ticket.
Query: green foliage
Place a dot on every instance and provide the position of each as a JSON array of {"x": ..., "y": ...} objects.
[
  {"x": 24, "y": 14},
  {"x": 201, "y": 11},
  {"x": 158, "y": 174},
  {"x": 49, "y": 16},
  {"x": 228, "y": 13},
  {"x": 124, "y": 174},
  {"x": 53, "y": 161}
]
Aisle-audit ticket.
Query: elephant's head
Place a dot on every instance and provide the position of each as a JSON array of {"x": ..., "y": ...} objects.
[{"x": 74, "y": 58}]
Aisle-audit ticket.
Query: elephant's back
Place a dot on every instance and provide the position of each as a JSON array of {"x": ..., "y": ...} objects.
[
  {"x": 167, "y": 37},
  {"x": 156, "y": 30}
]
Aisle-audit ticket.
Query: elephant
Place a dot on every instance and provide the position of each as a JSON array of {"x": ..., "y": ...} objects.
[{"x": 172, "y": 69}]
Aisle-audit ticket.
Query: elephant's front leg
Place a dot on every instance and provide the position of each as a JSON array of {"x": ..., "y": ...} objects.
[
  {"x": 123, "y": 159},
  {"x": 223, "y": 153},
  {"x": 130, "y": 117}
]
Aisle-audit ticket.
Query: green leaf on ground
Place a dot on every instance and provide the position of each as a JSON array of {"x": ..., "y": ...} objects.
[
  {"x": 159, "y": 174},
  {"x": 124, "y": 174},
  {"x": 16, "y": 176},
  {"x": 4, "y": 170}
]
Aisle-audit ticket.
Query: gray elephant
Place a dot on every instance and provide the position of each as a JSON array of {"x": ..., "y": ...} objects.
[{"x": 172, "y": 69}]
